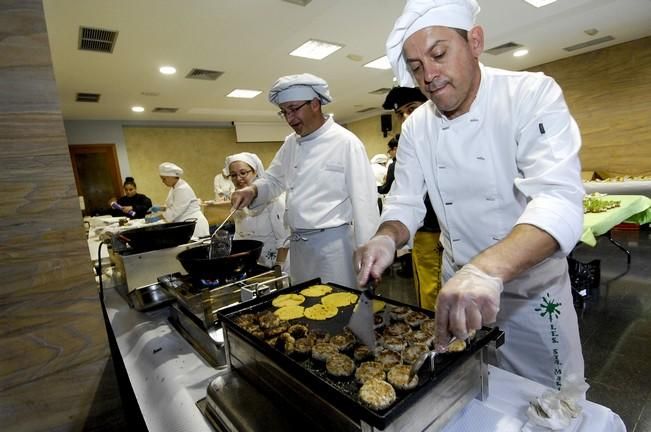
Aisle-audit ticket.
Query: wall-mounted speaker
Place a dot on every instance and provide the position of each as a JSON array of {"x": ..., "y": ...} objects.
[{"x": 386, "y": 125}]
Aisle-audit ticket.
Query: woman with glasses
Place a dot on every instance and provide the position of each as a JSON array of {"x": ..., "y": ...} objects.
[{"x": 265, "y": 223}]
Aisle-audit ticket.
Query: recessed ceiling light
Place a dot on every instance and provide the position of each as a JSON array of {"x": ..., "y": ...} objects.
[
  {"x": 520, "y": 53},
  {"x": 539, "y": 3},
  {"x": 315, "y": 49},
  {"x": 381, "y": 63},
  {"x": 245, "y": 94},
  {"x": 167, "y": 70},
  {"x": 137, "y": 109}
]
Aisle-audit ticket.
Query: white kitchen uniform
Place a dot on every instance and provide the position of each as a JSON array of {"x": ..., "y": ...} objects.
[
  {"x": 223, "y": 187},
  {"x": 329, "y": 183},
  {"x": 265, "y": 224},
  {"x": 182, "y": 204},
  {"x": 512, "y": 159}
]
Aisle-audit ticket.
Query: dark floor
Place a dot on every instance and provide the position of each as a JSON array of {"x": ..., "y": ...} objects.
[{"x": 615, "y": 325}]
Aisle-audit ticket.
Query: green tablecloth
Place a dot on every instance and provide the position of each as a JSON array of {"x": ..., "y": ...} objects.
[{"x": 632, "y": 208}]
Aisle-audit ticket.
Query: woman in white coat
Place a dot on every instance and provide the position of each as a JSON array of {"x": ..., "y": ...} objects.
[
  {"x": 265, "y": 223},
  {"x": 181, "y": 204}
]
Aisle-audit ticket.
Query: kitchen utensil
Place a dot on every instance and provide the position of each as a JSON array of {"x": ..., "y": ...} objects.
[
  {"x": 427, "y": 355},
  {"x": 244, "y": 256},
  {"x": 220, "y": 241},
  {"x": 159, "y": 236},
  {"x": 361, "y": 320}
]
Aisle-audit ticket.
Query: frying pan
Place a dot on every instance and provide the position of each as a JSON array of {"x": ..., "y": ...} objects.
[
  {"x": 243, "y": 258},
  {"x": 158, "y": 236}
]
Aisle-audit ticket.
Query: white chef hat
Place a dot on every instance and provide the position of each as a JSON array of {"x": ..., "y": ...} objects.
[
  {"x": 380, "y": 158},
  {"x": 169, "y": 169},
  {"x": 250, "y": 159},
  {"x": 419, "y": 14},
  {"x": 299, "y": 87}
]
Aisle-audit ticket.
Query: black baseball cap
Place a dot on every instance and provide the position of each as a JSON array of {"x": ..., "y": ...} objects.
[{"x": 399, "y": 96}]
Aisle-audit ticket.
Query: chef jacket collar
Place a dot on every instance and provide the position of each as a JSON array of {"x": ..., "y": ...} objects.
[
  {"x": 476, "y": 110},
  {"x": 317, "y": 133}
]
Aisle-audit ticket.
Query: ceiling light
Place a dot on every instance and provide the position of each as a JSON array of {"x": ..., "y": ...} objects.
[
  {"x": 539, "y": 3},
  {"x": 137, "y": 109},
  {"x": 167, "y": 70},
  {"x": 520, "y": 53},
  {"x": 244, "y": 94},
  {"x": 315, "y": 49},
  {"x": 381, "y": 63}
]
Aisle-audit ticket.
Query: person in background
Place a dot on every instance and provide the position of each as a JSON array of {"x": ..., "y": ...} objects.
[
  {"x": 132, "y": 204},
  {"x": 223, "y": 186},
  {"x": 265, "y": 223},
  {"x": 498, "y": 153},
  {"x": 391, "y": 151},
  {"x": 325, "y": 172},
  {"x": 181, "y": 204},
  {"x": 379, "y": 166},
  {"x": 427, "y": 252}
]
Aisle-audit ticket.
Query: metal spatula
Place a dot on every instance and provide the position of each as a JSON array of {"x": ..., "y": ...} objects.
[{"x": 361, "y": 321}]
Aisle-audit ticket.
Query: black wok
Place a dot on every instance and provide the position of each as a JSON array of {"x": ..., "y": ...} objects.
[
  {"x": 159, "y": 236},
  {"x": 243, "y": 258}
]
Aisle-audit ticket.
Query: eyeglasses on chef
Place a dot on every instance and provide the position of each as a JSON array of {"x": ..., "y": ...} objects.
[
  {"x": 240, "y": 174},
  {"x": 283, "y": 113}
]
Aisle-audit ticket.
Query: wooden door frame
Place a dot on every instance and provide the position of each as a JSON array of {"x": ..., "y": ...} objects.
[{"x": 97, "y": 148}]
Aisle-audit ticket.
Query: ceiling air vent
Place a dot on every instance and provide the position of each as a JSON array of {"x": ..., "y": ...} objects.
[
  {"x": 164, "y": 110},
  {"x": 589, "y": 43},
  {"x": 380, "y": 91},
  {"x": 298, "y": 2},
  {"x": 501, "y": 49},
  {"x": 365, "y": 110},
  {"x": 204, "y": 74},
  {"x": 87, "y": 97},
  {"x": 99, "y": 40}
]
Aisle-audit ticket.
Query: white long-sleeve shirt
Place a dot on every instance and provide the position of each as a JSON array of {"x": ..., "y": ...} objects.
[
  {"x": 182, "y": 204},
  {"x": 328, "y": 180},
  {"x": 512, "y": 159}
]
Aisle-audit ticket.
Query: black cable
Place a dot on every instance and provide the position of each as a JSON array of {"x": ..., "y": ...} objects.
[{"x": 99, "y": 270}]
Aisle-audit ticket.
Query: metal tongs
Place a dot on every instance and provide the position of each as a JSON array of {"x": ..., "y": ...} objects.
[
  {"x": 361, "y": 321},
  {"x": 430, "y": 354}
]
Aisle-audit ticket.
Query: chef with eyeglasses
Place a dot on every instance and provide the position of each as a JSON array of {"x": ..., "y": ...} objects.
[{"x": 329, "y": 184}]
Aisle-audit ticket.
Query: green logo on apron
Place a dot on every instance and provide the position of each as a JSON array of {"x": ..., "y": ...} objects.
[{"x": 550, "y": 308}]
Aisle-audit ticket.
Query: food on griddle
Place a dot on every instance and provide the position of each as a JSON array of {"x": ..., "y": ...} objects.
[
  {"x": 316, "y": 290},
  {"x": 340, "y": 299},
  {"x": 378, "y": 321},
  {"x": 398, "y": 313},
  {"x": 398, "y": 377},
  {"x": 290, "y": 312},
  {"x": 288, "y": 300},
  {"x": 457, "y": 346},
  {"x": 369, "y": 370},
  {"x": 323, "y": 350},
  {"x": 272, "y": 341},
  {"x": 362, "y": 352},
  {"x": 397, "y": 329},
  {"x": 388, "y": 358},
  {"x": 298, "y": 330},
  {"x": 344, "y": 341},
  {"x": 412, "y": 352},
  {"x": 377, "y": 394},
  {"x": 317, "y": 335},
  {"x": 428, "y": 325},
  {"x": 320, "y": 312},
  {"x": 303, "y": 346},
  {"x": 268, "y": 320},
  {"x": 340, "y": 365},
  {"x": 276, "y": 331},
  {"x": 394, "y": 343},
  {"x": 254, "y": 329},
  {"x": 245, "y": 320},
  {"x": 420, "y": 337},
  {"x": 415, "y": 318},
  {"x": 286, "y": 343}
]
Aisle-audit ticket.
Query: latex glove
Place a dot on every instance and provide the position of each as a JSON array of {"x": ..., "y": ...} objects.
[
  {"x": 152, "y": 219},
  {"x": 154, "y": 209},
  {"x": 470, "y": 299},
  {"x": 374, "y": 257}
]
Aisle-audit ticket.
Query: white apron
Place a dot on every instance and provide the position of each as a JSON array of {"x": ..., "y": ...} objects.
[{"x": 323, "y": 253}]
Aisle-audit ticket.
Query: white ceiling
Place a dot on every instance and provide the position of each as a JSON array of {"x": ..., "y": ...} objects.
[{"x": 249, "y": 40}]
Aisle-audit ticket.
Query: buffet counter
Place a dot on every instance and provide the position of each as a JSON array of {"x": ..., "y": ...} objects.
[
  {"x": 168, "y": 378},
  {"x": 634, "y": 208},
  {"x": 628, "y": 187}
]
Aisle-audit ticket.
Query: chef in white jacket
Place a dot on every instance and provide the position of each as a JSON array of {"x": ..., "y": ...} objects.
[
  {"x": 331, "y": 198},
  {"x": 497, "y": 151},
  {"x": 181, "y": 204}
]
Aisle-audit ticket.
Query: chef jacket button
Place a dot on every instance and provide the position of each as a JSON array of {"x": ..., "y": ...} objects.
[
  {"x": 490, "y": 198},
  {"x": 295, "y": 166},
  {"x": 441, "y": 166},
  {"x": 448, "y": 203},
  {"x": 456, "y": 240}
]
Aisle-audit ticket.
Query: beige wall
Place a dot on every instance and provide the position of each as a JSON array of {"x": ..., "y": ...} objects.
[
  {"x": 199, "y": 151},
  {"x": 369, "y": 131}
]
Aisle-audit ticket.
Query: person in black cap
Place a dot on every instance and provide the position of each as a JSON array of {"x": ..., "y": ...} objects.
[{"x": 427, "y": 251}]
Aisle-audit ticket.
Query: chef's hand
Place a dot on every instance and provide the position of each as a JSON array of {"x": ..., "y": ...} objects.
[
  {"x": 243, "y": 197},
  {"x": 372, "y": 258},
  {"x": 470, "y": 299},
  {"x": 154, "y": 209}
]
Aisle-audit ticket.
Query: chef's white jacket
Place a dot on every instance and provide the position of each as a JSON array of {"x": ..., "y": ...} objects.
[
  {"x": 328, "y": 180},
  {"x": 512, "y": 159},
  {"x": 182, "y": 204}
]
